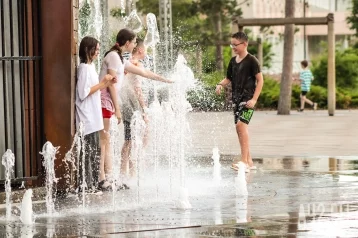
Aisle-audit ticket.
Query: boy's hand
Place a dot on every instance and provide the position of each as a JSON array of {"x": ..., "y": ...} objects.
[
  {"x": 251, "y": 103},
  {"x": 218, "y": 89},
  {"x": 168, "y": 81}
]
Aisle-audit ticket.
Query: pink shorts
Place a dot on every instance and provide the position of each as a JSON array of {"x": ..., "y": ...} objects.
[{"x": 106, "y": 113}]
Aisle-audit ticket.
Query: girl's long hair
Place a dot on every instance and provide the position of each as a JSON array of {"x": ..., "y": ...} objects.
[
  {"x": 123, "y": 36},
  {"x": 87, "y": 50}
]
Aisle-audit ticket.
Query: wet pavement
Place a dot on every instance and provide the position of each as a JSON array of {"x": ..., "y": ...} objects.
[
  {"x": 291, "y": 194},
  {"x": 307, "y": 134},
  {"x": 286, "y": 196}
]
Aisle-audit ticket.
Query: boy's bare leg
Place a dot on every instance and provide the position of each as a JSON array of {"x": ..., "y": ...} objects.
[
  {"x": 308, "y": 101},
  {"x": 243, "y": 134},
  {"x": 302, "y": 101},
  {"x": 125, "y": 154},
  {"x": 251, "y": 163}
]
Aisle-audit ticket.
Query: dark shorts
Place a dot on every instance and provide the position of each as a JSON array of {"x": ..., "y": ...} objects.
[
  {"x": 303, "y": 93},
  {"x": 106, "y": 113},
  {"x": 91, "y": 151},
  {"x": 242, "y": 113},
  {"x": 127, "y": 130}
]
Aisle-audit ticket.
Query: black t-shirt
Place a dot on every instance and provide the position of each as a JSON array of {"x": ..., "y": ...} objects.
[{"x": 242, "y": 77}]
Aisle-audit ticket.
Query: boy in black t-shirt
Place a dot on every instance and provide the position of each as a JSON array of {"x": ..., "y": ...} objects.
[{"x": 246, "y": 79}]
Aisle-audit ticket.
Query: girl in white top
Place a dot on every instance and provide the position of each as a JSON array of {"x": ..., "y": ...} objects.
[
  {"x": 88, "y": 106},
  {"x": 115, "y": 65}
]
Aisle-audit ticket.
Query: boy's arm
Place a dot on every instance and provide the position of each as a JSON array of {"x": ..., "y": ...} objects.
[
  {"x": 145, "y": 73},
  {"x": 221, "y": 85},
  {"x": 259, "y": 84},
  {"x": 138, "y": 89}
]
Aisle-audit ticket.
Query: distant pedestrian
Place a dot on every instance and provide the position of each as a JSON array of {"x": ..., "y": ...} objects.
[{"x": 306, "y": 78}]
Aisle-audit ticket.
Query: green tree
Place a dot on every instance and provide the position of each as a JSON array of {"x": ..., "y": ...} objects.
[
  {"x": 284, "y": 103},
  {"x": 267, "y": 53},
  {"x": 204, "y": 22},
  {"x": 353, "y": 18},
  {"x": 218, "y": 14}
]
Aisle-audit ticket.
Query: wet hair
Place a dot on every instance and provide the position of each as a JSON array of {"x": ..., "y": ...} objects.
[
  {"x": 304, "y": 63},
  {"x": 123, "y": 36},
  {"x": 240, "y": 36},
  {"x": 88, "y": 48},
  {"x": 140, "y": 44}
]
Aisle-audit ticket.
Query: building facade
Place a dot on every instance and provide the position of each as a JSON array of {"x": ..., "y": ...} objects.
[{"x": 307, "y": 38}]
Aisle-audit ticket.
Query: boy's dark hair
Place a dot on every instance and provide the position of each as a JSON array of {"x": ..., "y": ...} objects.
[
  {"x": 140, "y": 44},
  {"x": 88, "y": 48},
  {"x": 123, "y": 36},
  {"x": 304, "y": 63},
  {"x": 240, "y": 36}
]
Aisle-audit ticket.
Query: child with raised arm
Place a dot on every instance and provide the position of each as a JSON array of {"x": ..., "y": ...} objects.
[{"x": 114, "y": 64}]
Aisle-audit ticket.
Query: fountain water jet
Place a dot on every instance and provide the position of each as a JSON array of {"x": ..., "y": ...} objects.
[
  {"x": 150, "y": 41},
  {"x": 133, "y": 22},
  {"x": 138, "y": 127},
  {"x": 26, "y": 215},
  {"x": 184, "y": 80},
  {"x": 8, "y": 160},
  {"x": 49, "y": 155},
  {"x": 240, "y": 181},
  {"x": 217, "y": 166}
]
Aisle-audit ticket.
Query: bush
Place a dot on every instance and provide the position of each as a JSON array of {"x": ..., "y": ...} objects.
[
  {"x": 205, "y": 99},
  {"x": 346, "y": 69},
  {"x": 269, "y": 95}
]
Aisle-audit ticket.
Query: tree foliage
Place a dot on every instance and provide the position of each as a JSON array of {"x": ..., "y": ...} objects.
[
  {"x": 194, "y": 25},
  {"x": 352, "y": 19},
  {"x": 214, "y": 11},
  {"x": 193, "y": 20}
]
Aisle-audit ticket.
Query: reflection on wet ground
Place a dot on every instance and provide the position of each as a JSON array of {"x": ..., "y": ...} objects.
[{"x": 290, "y": 196}]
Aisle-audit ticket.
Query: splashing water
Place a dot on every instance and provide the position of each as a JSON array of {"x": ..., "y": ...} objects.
[
  {"x": 184, "y": 80},
  {"x": 241, "y": 209},
  {"x": 183, "y": 202},
  {"x": 240, "y": 181},
  {"x": 81, "y": 163},
  {"x": 123, "y": 7},
  {"x": 91, "y": 23},
  {"x": 217, "y": 166},
  {"x": 26, "y": 215},
  {"x": 98, "y": 19},
  {"x": 49, "y": 155},
  {"x": 8, "y": 160},
  {"x": 133, "y": 22},
  {"x": 138, "y": 127},
  {"x": 152, "y": 37},
  {"x": 70, "y": 161},
  {"x": 115, "y": 175},
  {"x": 155, "y": 118},
  {"x": 169, "y": 139}
]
